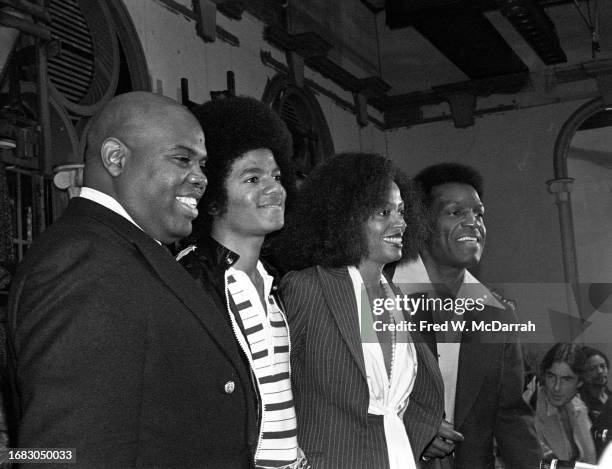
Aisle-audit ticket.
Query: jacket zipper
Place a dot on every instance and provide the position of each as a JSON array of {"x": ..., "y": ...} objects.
[{"x": 242, "y": 341}]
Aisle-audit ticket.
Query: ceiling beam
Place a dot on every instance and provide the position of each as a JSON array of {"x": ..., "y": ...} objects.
[
  {"x": 459, "y": 30},
  {"x": 587, "y": 80},
  {"x": 538, "y": 30},
  {"x": 375, "y": 6},
  {"x": 506, "y": 84}
]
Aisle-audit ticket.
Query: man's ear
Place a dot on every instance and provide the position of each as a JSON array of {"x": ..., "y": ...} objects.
[{"x": 114, "y": 152}]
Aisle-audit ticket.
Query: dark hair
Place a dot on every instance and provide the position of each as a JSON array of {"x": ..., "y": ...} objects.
[
  {"x": 571, "y": 354},
  {"x": 340, "y": 194},
  {"x": 233, "y": 126},
  {"x": 444, "y": 173},
  {"x": 591, "y": 352}
]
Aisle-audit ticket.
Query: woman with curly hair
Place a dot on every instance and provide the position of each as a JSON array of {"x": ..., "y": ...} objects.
[
  {"x": 248, "y": 175},
  {"x": 367, "y": 396}
]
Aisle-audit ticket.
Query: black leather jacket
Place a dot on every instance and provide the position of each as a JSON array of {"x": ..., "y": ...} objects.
[{"x": 207, "y": 262}]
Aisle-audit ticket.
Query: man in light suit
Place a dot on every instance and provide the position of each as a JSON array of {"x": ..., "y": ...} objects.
[
  {"x": 482, "y": 373},
  {"x": 114, "y": 350}
]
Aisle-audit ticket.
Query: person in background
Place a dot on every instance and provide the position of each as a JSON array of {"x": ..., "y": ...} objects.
[
  {"x": 602, "y": 428},
  {"x": 594, "y": 391},
  {"x": 249, "y": 173},
  {"x": 482, "y": 372},
  {"x": 114, "y": 350},
  {"x": 364, "y": 399},
  {"x": 561, "y": 420}
]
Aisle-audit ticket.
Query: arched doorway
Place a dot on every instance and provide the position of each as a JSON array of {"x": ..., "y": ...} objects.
[
  {"x": 583, "y": 179},
  {"x": 583, "y": 189}
]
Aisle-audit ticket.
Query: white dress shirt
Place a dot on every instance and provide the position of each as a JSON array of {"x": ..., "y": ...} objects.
[{"x": 411, "y": 278}]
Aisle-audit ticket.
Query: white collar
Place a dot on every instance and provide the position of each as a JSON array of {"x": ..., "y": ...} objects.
[
  {"x": 359, "y": 289},
  {"x": 267, "y": 278},
  {"x": 413, "y": 276},
  {"x": 110, "y": 203}
]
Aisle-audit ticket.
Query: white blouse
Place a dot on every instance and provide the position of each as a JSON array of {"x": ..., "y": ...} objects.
[{"x": 388, "y": 396}]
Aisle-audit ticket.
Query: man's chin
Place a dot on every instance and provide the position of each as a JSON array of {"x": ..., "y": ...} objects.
[
  {"x": 467, "y": 263},
  {"x": 465, "y": 259},
  {"x": 177, "y": 234},
  {"x": 273, "y": 226}
]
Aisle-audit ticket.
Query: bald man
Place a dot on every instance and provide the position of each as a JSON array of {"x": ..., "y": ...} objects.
[{"x": 114, "y": 350}]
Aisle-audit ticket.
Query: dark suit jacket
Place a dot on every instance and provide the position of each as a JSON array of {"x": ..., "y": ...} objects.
[
  {"x": 488, "y": 401},
  {"x": 328, "y": 371},
  {"x": 117, "y": 352}
]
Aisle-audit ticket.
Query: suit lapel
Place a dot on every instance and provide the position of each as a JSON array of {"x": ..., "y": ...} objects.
[
  {"x": 191, "y": 295},
  {"x": 340, "y": 297},
  {"x": 474, "y": 361},
  {"x": 425, "y": 406},
  {"x": 470, "y": 376},
  {"x": 169, "y": 271},
  {"x": 428, "y": 363}
]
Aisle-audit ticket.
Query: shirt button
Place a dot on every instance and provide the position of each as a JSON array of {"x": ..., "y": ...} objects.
[{"x": 229, "y": 387}]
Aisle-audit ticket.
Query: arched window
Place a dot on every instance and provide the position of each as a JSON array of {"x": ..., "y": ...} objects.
[
  {"x": 301, "y": 112},
  {"x": 100, "y": 57},
  {"x": 97, "y": 55}
]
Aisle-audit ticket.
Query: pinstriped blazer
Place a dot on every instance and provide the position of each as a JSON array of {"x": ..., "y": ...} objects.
[{"x": 329, "y": 380}]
